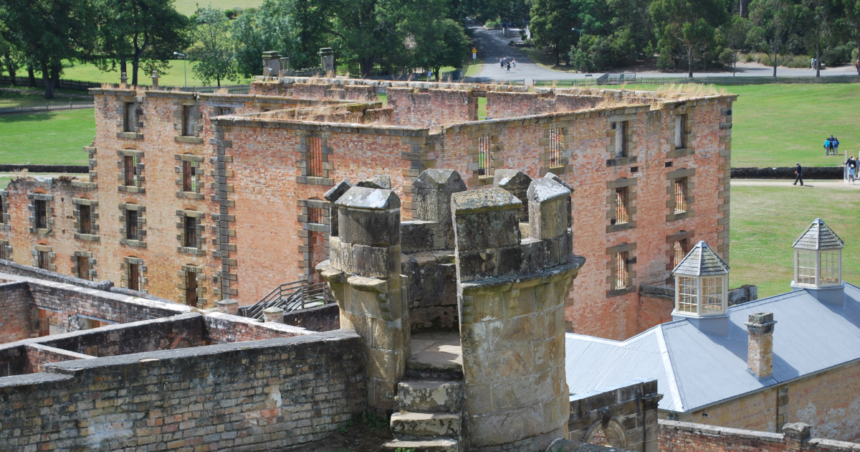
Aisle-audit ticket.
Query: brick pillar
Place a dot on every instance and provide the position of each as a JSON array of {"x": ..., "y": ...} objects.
[
  {"x": 760, "y": 347},
  {"x": 154, "y": 79},
  {"x": 511, "y": 295},
  {"x": 271, "y": 63},
  {"x": 517, "y": 183},
  {"x": 795, "y": 436},
  {"x": 364, "y": 276},
  {"x": 327, "y": 61}
]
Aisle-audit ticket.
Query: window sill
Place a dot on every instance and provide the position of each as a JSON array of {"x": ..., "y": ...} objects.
[
  {"x": 621, "y": 161},
  {"x": 618, "y": 292},
  {"x": 313, "y": 180},
  {"x": 190, "y": 195},
  {"x": 85, "y": 185},
  {"x": 679, "y": 216},
  {"x": 130, "y": 135},
  {"x": 87, "y": 237},
  {"x": 42, "y": 231},
  {"x": 188, "y": 139},
  {"x": 133, "y": 243},
  {"x": 557, "y": 170},
  {"x": 620, "y": 227},
  {"x": 131, "y": 189},
  {"x": 191, "y": 251},
  {"x": 682, "y": 152}
]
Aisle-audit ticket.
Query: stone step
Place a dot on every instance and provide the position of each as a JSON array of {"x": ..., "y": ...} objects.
[
  {"x": 425, "y": 425},
  {"x": 429, "y": 396},
  {"x": 433, "y": 370},
  {"x": 430, "y": 445}
]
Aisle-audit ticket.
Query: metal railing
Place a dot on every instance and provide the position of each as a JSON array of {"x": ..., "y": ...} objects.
[
  {"x": 47, "y": 106},
  {"x": 292, "y": 296}
]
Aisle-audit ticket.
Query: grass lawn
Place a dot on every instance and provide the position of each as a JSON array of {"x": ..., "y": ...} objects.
[
  {"x": 765, "y": 223},
  {"x": 8, "y": 99},
  {"x": 47, "y": 138},
  {"x": 174, "y": 76},
  {"x": 189, "y": 7}
]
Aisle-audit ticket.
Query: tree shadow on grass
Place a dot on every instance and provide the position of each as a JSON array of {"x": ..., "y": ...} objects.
[{"x": 26, "y": 117}]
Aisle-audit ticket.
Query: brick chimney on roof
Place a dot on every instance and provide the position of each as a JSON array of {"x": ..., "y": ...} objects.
[{"x": 760, "y": 347}]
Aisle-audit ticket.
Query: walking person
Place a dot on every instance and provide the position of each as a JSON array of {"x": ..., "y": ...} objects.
[
  {"x": 514, "y": 62},
  {"x": 509, "y": 66},
  {"x": 852, "y": 169},
  {"x": 827, "y": 146},
  {"x": 834, "y": 142},
  {"x": 799, "y": 172},
  {"x": 429, "y": 75}
]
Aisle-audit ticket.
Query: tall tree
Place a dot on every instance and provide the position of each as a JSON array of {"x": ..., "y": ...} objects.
[
  {"x": 139, "y": 31},
  {"x": 819, "y": 16},
  {"x": 269, "y": 28},
  {"x": 552, "y": 23},
  {"x": 851, "y": 18},
  {"x": 773, "y": 23},
  {"x": 49, "y": 31},
  {"x": 213, "y": 49},
  {"x": 367, "y": 32},
  {"x": 689, "y": 24}
]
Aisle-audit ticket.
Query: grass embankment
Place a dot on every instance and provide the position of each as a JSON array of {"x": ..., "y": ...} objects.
[
  {"x": 31, "y": 97},
  {"x": 47, "y": 138},
  {"x": 767, "y": 220}
]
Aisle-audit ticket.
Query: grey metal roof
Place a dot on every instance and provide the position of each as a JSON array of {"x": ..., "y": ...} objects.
[
  {"x": 696, "y": 369},
  {"x": 819, "y": 236},
  {"x": 701, "y": 261}
]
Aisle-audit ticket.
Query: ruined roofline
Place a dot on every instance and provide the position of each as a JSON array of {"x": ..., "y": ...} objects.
[
  {"x": 254, "y": 120},
  {"x": 453, "y": 86},
  {"x": 23, "y": 181},
  {"x": 267, "y": 99}
]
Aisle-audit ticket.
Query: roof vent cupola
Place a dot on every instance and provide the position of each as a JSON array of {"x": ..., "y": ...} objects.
[
  {"x": 818, "y": 263},
  {"x": 701, "y": 290}
]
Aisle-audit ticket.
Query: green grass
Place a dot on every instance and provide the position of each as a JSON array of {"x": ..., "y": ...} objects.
[
  {"x": 9, "y": 99},
  {"x": 173, "y": 77},
  {"x": 4, "y": 181},
  {"x": 47, "y": 138},
  {"x": 765, "y": 223},
  {"x": 189, "y": 7}
]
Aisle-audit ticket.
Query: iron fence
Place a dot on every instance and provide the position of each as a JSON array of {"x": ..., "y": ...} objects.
[{"x": 47, "y": 106}]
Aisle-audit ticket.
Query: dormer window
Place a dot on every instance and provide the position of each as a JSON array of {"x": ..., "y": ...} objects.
[
  {"x": 701, "y": 284},
  {"x": 818, "y": 257}
]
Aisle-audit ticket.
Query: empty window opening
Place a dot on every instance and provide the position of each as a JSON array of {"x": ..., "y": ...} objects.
[
  {"x": 188, "y": 181},
  {"x": 316, "y": 254},
  {"x": 556, "y": 142},
  {"x": 134, "y": 276},
  {"x": 679, "y": 251},
  {"x": 44, "y": 260},
  {"x": 680, "y": 131},
  {"x": 484, "y": 155},
  {"x": 191, "y": 295},
  {"x": 687, "y": 294},
  {"x": 712, "y": 295},
  {"x": 224, "y": 111},
  {"x": 83, "y": 267},
  {"x": 621, "y": 142},
  {"x": 621, "y": 271},
  {"x": 86, "y": 220},
  {"x": 188, "y": 120},
  {"x": 315, "y": 215},
  {"x": 44, "y": 323},
  {"x": 190, "y": 232},
  {"x": 3, "y": 251},
  {"x": 128, "y": 123},
  {"x": 131, "y": 229},
  {"x": 130, "y": 170},
  {"x": 41, "y": 214},
  {"x": 314, "y": 153},
  {"x": 621, "y": 199},
  {"x": 680, "y": 196}
]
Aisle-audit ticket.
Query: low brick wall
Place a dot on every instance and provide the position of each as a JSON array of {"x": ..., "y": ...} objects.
[
  {"x": 809, "y": 172},
  {"x": 7, "y": 168},
  {"x": 262, "y": 395},
  {"x": 230, "y": 328},
  {"x": 323, "y": 318},
  {"x": 12, "y": 268},
  {"x": 15, "y": 319},
  {"x": 39, "y": 355},
  {"x": 687, "y": 437}
]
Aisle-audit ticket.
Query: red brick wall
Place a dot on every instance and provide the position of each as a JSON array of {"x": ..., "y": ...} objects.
[
  {"x": 690, "y": 437},
  {"x": 829, "y": 403},
  {"x": 654, "y": 311},
  {"x": 508, "y": 105},
  {"x": 38, "y": 355},
  {"x": 15, "y": 318},
  {"x": 433, "y": 107}
]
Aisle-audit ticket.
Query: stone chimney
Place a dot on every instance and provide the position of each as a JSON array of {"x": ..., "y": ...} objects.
[
  {"x": 327, "y": 61},
  {"x": 760, "y": 348},
  {"x": 271, "y": 63},
  {"x": 154, "y": 79},
  {"x": 123, "y": 79}
]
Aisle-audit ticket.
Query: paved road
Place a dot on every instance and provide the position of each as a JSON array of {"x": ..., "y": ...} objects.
[
  {"x": 826, "y": 184},
  {"x": 492, "y": 45}
]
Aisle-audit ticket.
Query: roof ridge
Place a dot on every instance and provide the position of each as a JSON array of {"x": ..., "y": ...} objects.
[{"x": 674, "y": 390}]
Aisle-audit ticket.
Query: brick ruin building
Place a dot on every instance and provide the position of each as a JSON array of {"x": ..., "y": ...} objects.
[{"x": 201, "y": 197}]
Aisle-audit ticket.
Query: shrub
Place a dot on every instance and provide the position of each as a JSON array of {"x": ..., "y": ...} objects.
[
  {"x": 493, "y": 23},
  {"x": 230, "y": 13}
]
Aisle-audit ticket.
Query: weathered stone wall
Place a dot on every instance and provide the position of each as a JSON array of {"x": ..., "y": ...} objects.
[
  {"x": 509, "y": 105},
  {"x": 688, "y": 437},
  {"x": 15, "y": 316},
  {"x": 432, "y": 278},
  {"x": 229, "y": 328},
  {"x": 427, "y": 108},
  {"x": 323, "y": 318},
  {"x": 269, "y": 394},
  {"x": 38, "y": 355}
]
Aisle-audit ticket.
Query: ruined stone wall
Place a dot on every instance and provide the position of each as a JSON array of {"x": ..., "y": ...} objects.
[
  {"x": 15, "y": 316},
  {"x": 323, "y": 318},
  {"x": 302, "y": 389},
  {"x": 688, "y": 437},
  {"x": 323, "y": 90},
  {"x": 222, "y": 328},
  {"x": 508, "y": 104},
  {"x": 38, "y": 355},
  {"x": 271, "y": 238},
  {"x": 432, "y": 289},
  {"x": 426, "y": 108}
]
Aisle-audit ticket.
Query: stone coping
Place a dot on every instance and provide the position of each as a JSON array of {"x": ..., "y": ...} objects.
[
  {"x": 521, "y": 281},
  {"x": 713, "y": 430},
  {"x": 28, "y": 380}
]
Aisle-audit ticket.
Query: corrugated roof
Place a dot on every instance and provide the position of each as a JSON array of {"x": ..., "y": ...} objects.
[
  {"x": 702, "y": 261},
  {"x": 819, "y": 236},
  {"x": 696, "y": 369}
]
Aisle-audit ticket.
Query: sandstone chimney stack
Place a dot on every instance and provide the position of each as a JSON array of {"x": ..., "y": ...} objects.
[{"x": 760, "y": 348}]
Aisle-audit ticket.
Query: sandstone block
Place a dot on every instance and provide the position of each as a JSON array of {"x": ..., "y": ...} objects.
[
  {"x": 430, "y": 396},
  {"x": 417, "y": 425}
]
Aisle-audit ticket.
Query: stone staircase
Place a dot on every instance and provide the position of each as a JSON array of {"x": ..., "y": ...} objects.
[
  {"x": 429, "y": 400},
  {"x": 429, "y": 417}
]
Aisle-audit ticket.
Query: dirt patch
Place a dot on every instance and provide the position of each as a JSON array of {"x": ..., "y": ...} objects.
[{"x": 366, "y": 433}]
